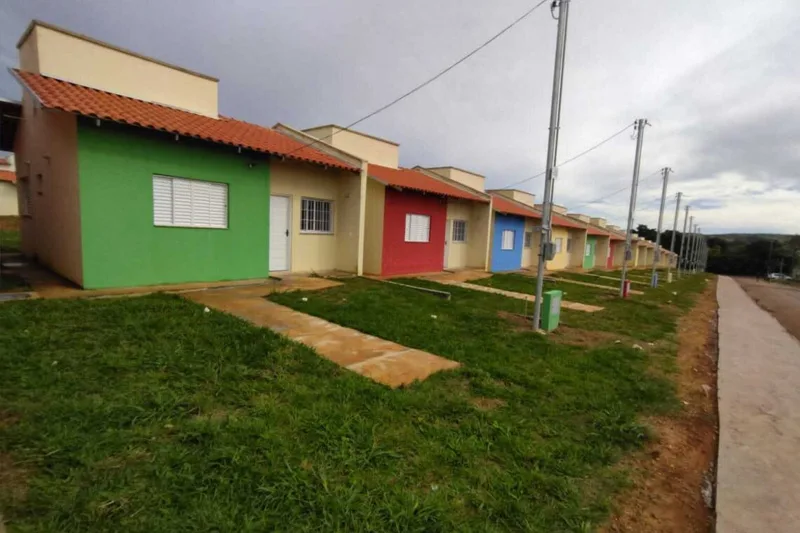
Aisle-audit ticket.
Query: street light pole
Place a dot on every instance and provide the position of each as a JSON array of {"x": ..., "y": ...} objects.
[
  {"x": 674, "y": 231},
  {"x": 545, "y": 233}
]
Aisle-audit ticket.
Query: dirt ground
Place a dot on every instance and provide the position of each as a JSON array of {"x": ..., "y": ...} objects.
[
  {"x": 780, "y": 300},
  {"x": 673, "y": 478}
]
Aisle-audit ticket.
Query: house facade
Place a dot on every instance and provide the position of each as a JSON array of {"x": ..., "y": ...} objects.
[{"x": 131, "y": 176}]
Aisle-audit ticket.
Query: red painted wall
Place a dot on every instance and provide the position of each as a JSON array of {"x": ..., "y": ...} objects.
[
  {"x": 401, "y": 257},
  {"x": 612, "y": 247}
]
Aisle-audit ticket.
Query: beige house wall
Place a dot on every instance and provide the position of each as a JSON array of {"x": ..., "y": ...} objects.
[
  {"x": 578, "y": 250},
  {"x": 470, "y": 179},
  {"x": 8, "y": 199},
  {"x": 619, "y": 253},
  {"x": 530, "y": 256},
  {"x": 373, "y": 227},
  {"x": 46, "y": 153},
  {"x": 470, "y": 254},
  {"x": 561, "y": 260},
  {"x": 601, "y": 252},
  {"x": 79, "y": 59},
  {"x": 366, "y": 147},
  {"x": 311, "y": 252}
]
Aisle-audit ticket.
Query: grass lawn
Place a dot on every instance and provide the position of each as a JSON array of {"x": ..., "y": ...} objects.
[
  {"x": 147, "y": 414},
  {"x": 9, "y": 240}
]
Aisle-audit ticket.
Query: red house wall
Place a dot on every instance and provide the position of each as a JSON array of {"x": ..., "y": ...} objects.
[{"x": 401, "y": 257}]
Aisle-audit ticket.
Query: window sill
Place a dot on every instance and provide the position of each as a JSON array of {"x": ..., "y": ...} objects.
[{"x": 317, "y": 233}]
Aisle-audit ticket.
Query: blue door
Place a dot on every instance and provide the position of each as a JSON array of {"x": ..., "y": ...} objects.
[{"x": 509, "y": 231}]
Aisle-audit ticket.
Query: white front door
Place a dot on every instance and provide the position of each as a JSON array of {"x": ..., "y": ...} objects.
[{"x": 279, "y": 239}]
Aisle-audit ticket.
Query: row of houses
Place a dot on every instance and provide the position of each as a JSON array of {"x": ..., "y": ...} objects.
[{"x": 128, "y": 175}]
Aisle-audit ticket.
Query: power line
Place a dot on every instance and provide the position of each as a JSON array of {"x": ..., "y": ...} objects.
[
  {"x": 570, "y": 160},
  {"x": 625, "y": 188},
  {"x": 432, "y": 79}
]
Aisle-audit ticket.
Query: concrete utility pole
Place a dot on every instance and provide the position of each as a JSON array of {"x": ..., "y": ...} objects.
[
  {"x": 699, "y": 237},
  {"x": 690, "y": 246},
  {"x": 674, "y": 231},
  {"x": 693, "y": 249},
  {"x": 682, "y": 255},
  {"x": 545, "y": 233},
  {"x": 637, "y": 163},
  {"x": 657, "y": 254}
]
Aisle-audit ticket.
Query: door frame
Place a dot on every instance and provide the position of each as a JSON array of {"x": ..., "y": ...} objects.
[
  {"x": 290, "y": 201},
  {"x": 448, "y": 228}
]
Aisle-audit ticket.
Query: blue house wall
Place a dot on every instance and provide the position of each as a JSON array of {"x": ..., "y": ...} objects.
[{"x": 504, "y": 260}]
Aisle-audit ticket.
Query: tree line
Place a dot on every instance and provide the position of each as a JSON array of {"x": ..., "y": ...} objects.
[{"x": 742, "y": 254}]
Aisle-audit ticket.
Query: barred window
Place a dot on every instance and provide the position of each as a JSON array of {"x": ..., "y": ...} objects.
[
  {"x": 316, "y": 216},
  {"x": 459, "y": 231},
  {"x": 528, "y": 238}
]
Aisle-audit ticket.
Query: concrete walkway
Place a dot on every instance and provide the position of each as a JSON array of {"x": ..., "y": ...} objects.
[
  {"x": 758, "y": 479},
  {"x": 457, "y": 280},
  {"x": 378, "y": 359}
]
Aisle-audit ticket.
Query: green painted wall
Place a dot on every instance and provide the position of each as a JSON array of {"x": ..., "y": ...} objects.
[
  {"x": 122, "y": 247},
  {"x": 591, "y": 247}
]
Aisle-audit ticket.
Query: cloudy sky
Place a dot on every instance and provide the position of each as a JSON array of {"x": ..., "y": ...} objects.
[{"x": 718, "y": 80}]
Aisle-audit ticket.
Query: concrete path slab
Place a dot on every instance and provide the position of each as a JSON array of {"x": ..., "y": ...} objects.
[
  {"x": 380, "y": 360},
  {"x": 758, "y": 474},
  {"x": 518, "y": 295}
]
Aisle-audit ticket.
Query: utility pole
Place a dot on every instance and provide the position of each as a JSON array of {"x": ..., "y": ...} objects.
[
  {"x": 699, "y": 238},
  {"x": 637, "y": 163},
  {"x": 690, "y": 245},
  {"x": 674, "y": 230},
  {"x": 682, "y": 255},
  {"x": 657, "y": 254},
  {"x": 545, "y": 232}
]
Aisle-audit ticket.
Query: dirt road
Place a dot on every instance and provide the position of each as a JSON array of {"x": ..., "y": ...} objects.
[
  {"x": 780, "y": 300},
  {"x": 758, "y": 475}
]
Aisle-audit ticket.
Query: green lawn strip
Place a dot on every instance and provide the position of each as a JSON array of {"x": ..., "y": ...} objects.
[
  {"x": 147, "y": 414},
  {"x": 649, "y": 317},
  {"x": 9, "y": 240},
  {"x": 585, "y": 278}
]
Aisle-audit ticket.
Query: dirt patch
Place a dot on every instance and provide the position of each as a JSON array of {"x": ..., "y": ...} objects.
[
  {"x": 780, "y": 300},
  {"x": 13, "y": 480},
  {"x": 673, "y": 477},
  {"x": 487, "y": 404}
]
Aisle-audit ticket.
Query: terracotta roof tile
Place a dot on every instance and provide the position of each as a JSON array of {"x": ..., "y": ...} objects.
[
  {"x": 73, "y": 98},
  {"x": 510, "y": 207},
  {"x": 8, "y": 176},
  {"x": 565, "y": 222},
  {"x": 412, "y": 179}
]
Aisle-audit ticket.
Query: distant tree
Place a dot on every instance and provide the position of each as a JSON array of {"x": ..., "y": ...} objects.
[{"x": 645, "y": 232}]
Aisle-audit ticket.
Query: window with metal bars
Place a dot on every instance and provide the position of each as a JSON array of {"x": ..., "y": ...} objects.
[
  {"x": 316, "y": 216},
  {"x": 459, "y": 231}
]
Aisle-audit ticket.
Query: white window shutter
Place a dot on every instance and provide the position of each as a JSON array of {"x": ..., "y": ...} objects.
[
  {"x": 189, "y": 203},
  {"x": 181, "y": 202},
  {"x": 219, "y": 205},
  {"x": 162, "y": 201}
]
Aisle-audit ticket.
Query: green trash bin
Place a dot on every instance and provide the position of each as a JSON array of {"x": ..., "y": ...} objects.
[{"x": 551, "y": 310}]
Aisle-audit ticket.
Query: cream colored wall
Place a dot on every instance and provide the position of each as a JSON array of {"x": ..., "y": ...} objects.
[
  {"x": 601, "y": 252},
  {"x": 578, "y": 237},
  {"x": 319, "y": 252},
  {"x": 619, "y": 254},
  {"x": 368, "y": 148},
  {"x": 479, "y": 235},
  {"x": 470, "y": 179},
  {"x": 530, "y": 256},
  {"x": 561, "y": 260},
  {"x": 8, "y": 199},
  {"x": 29, "y": 54},
  {"x": 47, "y": 146},
  {"x": 347, "y": 219},
  {"x": 70, "y": 58},
  {"x": 373, "y": 227}
]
